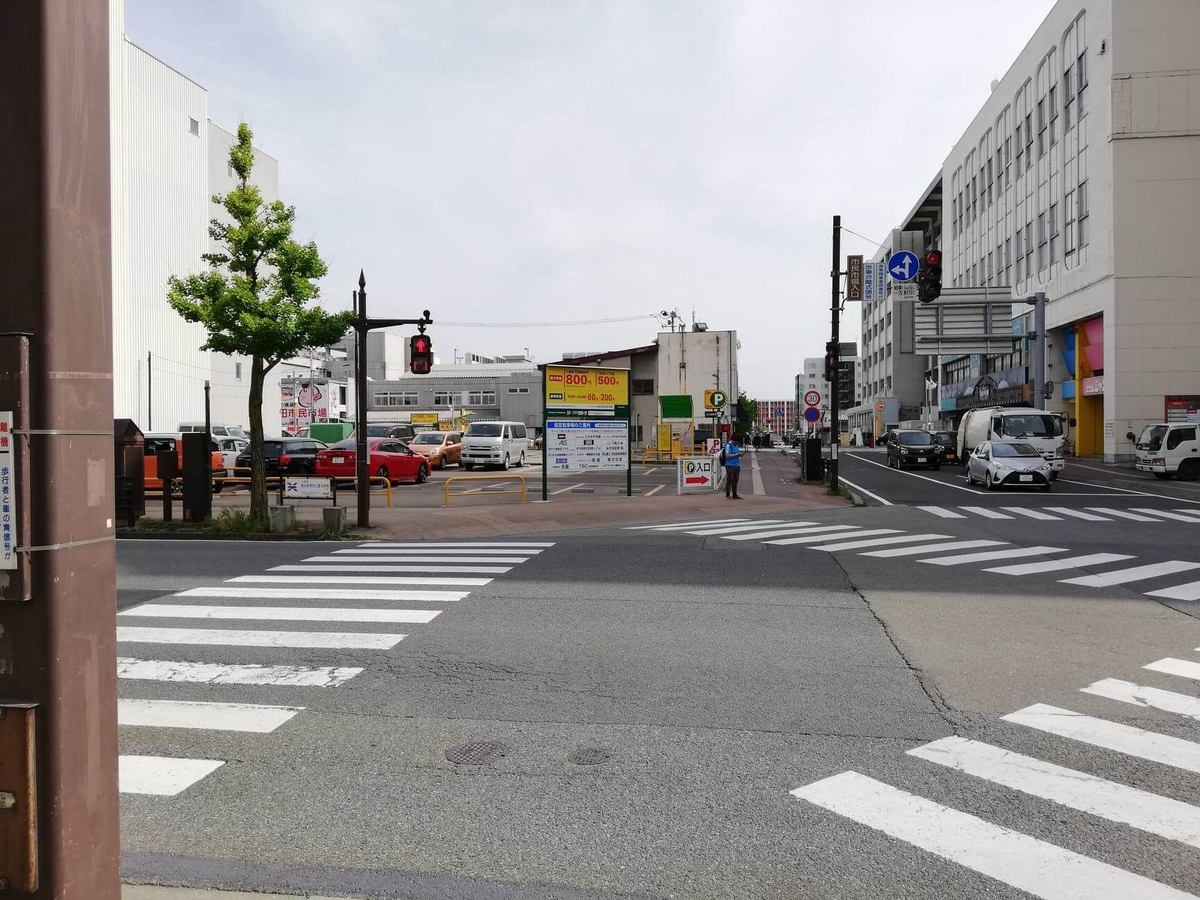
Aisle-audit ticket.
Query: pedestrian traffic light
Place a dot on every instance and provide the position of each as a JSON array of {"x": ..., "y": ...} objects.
[
  {"x": 931, "y": 277},
  {"x": 420, "y": 355},
  {"x": 831, "y": 361}
]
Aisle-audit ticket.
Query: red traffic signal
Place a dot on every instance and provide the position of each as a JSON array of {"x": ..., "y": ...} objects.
[
  {"x": 930, "y": 282},
  {"x": 420, "y": 354}
]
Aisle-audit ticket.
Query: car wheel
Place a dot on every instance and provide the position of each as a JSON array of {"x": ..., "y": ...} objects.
[
  {"x": 988, "y": 483},
  {"x": 937, "y": 467},
  {"x": 441, "y": 463},
  {"x": 970, "y": 478},
  {"x": 216, "y": 488},
  {"x": 1163, "y": 476},
  {"x": 383, "y": 473},
  {"x": 1189, "y": 470},
  {"x": 422, "y": 475},
  {"x": 1046, "y": 488},
  {"x": 468, "y": 466},
  {"x": 521, "y": 462},
  {"x": 504, "y": 465}
]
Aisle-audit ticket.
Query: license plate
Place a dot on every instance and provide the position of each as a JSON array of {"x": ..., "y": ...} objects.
[
  {"x": 1027, "y": 478},
  {"x": 338, "y": 460},
  {"x": 920, "y": 459}
]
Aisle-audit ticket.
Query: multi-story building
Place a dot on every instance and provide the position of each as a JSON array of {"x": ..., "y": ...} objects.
[
  {"x": 849, "y": 384},
  {"x": 777, "y": 416}
]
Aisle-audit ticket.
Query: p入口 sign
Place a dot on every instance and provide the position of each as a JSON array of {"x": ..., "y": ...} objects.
[{"x": 8, "y": 494}]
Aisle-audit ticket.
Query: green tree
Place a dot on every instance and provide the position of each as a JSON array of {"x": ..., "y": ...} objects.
[
  {"x": 748, "y": 412},
  {"x": 257, "y": 297}
]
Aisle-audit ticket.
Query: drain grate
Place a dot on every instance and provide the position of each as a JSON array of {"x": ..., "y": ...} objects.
[
  {"x": 590, "y": 756},
  {"x": 477, "y": 753}
]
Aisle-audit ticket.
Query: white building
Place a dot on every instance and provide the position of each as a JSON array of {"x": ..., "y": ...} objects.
[
  {"x": 1080, "y": 177},
  {"x": 812, "y": 378}
]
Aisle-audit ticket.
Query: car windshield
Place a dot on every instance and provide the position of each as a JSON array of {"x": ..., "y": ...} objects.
[
  {"x": 915, "y": 439},
  {"x": 1152, "y": 437},
  {"x": 484, "y": 429},
  {"x": 431, "y": 437},
  {"x": 378, "y": 430},
  {"x": 1037, "y": 425},
  {"x": 945, "y": 438},
  {"x": 1014, "y": 450}
]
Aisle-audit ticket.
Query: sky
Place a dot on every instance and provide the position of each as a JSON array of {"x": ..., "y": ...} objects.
[{"x": 512, "y": 165}]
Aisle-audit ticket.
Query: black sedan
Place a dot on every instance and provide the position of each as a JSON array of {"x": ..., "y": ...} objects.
[{"x": 285, "y": 456}]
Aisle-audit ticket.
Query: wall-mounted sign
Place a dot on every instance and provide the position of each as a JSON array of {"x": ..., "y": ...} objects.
[{"x": 1094, "y": 386}]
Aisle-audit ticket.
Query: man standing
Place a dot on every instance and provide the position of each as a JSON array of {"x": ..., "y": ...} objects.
[{"x": 733, "y": 468}]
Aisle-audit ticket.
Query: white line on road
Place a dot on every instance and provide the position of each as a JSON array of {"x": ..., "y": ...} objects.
[
  {"x": 1028, "y": 864},
  {"x": 1189, "y": 591},
  {"x": 1159, "y": 748},
  {"x": 471, "y": 545},
  {"x": 162, "y": 776},
  {"x": 956, "y": 487},
  {"x": 347, "y": 566},
  {"x": 230, "y": 638},
  {"x": 1057, "y": 565},
  {"x": 213, "y": 673},
  {"x": 387, "y": 557},
  {"x": 1140, "y": 695},
  {"x": 818, "y": 538},
  {"x": 879, "y": 542},
  {"x": 1016, "y": 553},
  {"x": 1184, "y": 668},
  {"x": 1109, "y": 800},
  {"x": 1109, "y": 487},
  {"x": 282, "y": 613},
  {"x": 783, "y": 532},
  {"x": 1166, "y": 514},
  {"x": 756, "y": 481},
  {"x": 933, "y": 548},
  {"x": 655, "y": 490},
  {"x": 985, "y": 512},
  {"x": 207, "y": 716},
  {"x": 1121, "y": 514},
  {"x": 1076, "y": 514},
  {"x": 1190, "y": 511},
  {"x": 944, "y": 513},
  {"x": 745, "y": 526},
  {"x": 1137, "y": 573},
  {"x": 341, "y": 580},
  {"x": 569, "y": 487},
  {"x": 296, "y": 593},
  {"x": 1030, "y": 513},
  {"x": 448, "y": 553},
  {"x": 862, "y": 490},
  {"x": 683, "y": 526}
]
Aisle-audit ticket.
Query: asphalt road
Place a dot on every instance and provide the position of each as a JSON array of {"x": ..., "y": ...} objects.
[{"x": 661, "y": 692}]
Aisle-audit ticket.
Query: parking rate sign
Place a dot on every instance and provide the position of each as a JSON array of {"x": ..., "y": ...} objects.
[{"x": 575, "y": 445}]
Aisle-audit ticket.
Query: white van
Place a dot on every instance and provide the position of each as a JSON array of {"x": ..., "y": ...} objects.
[
  {"x": 1169, "y": 449},
  {"x": 218, "y": 431},
  {"x": 494, "y": 444}
]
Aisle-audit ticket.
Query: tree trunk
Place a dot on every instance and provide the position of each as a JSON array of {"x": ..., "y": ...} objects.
[{"x": 258, "y": 477}]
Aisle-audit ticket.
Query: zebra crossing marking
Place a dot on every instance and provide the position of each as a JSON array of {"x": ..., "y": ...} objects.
[
  {"x": 784, "y": 532},
  {"x": 365, "y": 579},
  {"x": 456, "y": 545},
  {"x": 744, "y": 526},
  {"x": 348, "y": 566},
  {"x": 162, "y": 776},
  {"x": 395, "y": 556},
  {"x": 1184, "y": 668},
  {"x": 232, "y": 638},
  {"x": 445, "y": 553},
  {"x": 1121, "y": 514},
  {"x": 1136, "y": 573},
  {"x": 301, "y": 593},
  {"x": 205, "y": 716},
  {"x": 220, "y": 673},
  {"x": 878, "y": 542},
  {"x": 933, "y": 548},
  {"x": 1189, "y": 591},
  {"x": 683, "y": 526},
  {"x": 1056, "y": 565},
  {"x": 819, "y": 538},
  {"x": 1076, "y": 514},
  {"x": 1141, "y": 695},
  {"x": 989, "y": 555},
  {"x": 985, "y": 512},
  {"x": 1031, "y": 513},
  {"x": 944, "y": 513},
  {"x": 1059, "y": 513},
  {"x": 1166, "y": 514},
  {"x": 282, "y": 613}
]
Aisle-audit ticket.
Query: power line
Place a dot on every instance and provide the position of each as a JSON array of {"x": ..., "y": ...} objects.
[
  {"x": 575, "y": 323},
  {"x": 863, "y": 236}
]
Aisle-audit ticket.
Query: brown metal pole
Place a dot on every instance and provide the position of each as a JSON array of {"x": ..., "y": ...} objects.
[
  {"x": 58, "y": 648},
  {"x": 362, "y": 460}
]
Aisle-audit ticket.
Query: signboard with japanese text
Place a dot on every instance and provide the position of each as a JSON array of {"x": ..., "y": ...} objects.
[
  {"x": 8, "y": 494},
  {"x": 854, "y": 278},
  {"x": 874, "y": 286},
  {"x": 297, "y": 487},
  {"x": 579, "y": 445},
  {"x": 303, "y": 401},
  {"x": 423, "y": 418},
  {"x": 591, "y": 388},
  {"x": 698, "y": 475}
]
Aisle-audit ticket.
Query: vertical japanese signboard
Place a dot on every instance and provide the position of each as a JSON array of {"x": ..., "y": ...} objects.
[
  {"x": 854, "y": 277},
  {"x": 8, "y": 494}
]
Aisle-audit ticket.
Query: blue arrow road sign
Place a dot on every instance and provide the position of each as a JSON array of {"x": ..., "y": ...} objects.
[{"x": 904, "y": 266}]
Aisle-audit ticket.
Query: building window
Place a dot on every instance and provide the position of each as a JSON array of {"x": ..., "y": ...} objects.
[
  {"x": 194, "y": 127},
  {"x": 481, "y": 398},
  {"x": 988, "y": 275},
  {"x": 237, "y": 371},
  {"x": 1069, "y": 224},
  {"x": 524, "y": 390},
  {"x": 643, "y": 387},
  {"x": 990, "y": 182},
  {"x": 1081, "y": 204},
  {"x": 1029, "y": 249},
  {"x": 1053, "y": 115},
  {"x": 444, "y": 398},
  {"x": 396, "y": 398},
  {"x": 1043, "y": 124},
  {"x": 1068, "y": 100},
  {"x": 1054, "y": 233},
  {"x": 341, "y": 395},
  {"x": 1020, "y": 150},
  {"x": 1029, "y": 142},
  {"x": 1081, "y": 82},
  {"x": 1041, "y": 237}
]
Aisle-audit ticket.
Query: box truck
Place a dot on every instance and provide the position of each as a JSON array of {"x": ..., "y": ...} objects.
[{"x": 1046, "y": 431}]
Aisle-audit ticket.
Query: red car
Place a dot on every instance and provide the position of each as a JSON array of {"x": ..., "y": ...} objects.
[{"x": 389, "y": 458}]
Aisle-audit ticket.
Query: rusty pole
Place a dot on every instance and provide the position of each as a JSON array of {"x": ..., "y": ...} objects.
[{"x": 58, "y": 648}]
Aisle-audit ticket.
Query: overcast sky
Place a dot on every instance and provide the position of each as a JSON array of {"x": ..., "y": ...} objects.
[{"x": 538, "y": 161}]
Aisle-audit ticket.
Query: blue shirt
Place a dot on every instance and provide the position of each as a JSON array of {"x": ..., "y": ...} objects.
[{"x": 732, "y": 455}]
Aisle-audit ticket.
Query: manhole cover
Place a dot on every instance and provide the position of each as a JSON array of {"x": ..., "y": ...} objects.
[
  {"x": 590, "y": 756},
  {"x": 477, "y": 753}
]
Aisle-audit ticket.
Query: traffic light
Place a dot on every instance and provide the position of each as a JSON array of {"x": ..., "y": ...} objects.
[
  {"x": 831, "y": 361},
  {"x": 420, "y": 355},
  {"x": 931, "y": 277}
]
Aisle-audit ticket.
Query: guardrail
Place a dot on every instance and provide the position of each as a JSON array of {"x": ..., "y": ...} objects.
[
  {"x": 278, "y": 479},
  {"x": 500, "y": 478}
]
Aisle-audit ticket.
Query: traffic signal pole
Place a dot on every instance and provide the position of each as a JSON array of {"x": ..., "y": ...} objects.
[
  {"x": 835, "y": 337},
  {"x": 59, "y": 829}
]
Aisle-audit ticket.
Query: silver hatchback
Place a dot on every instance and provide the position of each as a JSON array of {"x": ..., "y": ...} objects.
[{"x": 997, "y": 464}]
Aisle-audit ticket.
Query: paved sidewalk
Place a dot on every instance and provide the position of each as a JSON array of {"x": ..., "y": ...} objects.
[{"x": 151, "y": 892}]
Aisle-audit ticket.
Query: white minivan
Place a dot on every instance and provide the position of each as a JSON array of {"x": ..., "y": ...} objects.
[
  {"x": 500, "y": 444},
  {"x": 1169, "y": 449}
]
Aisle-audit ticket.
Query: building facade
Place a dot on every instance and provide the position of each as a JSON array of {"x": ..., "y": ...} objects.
[
  {"x": 812, "y": 378},
  {"x": 778, "y": 416},
  {"x": 482, "y": 392}
]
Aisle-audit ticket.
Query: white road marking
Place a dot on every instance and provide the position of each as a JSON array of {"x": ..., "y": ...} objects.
[
  {"x": 1190, "y": 511},
  {"x": 366, "y": 579},
  {"x": 162, "y": 776},
  {"x": 944, "y": 513},
  {"x": 296, "y": 593},
  {"x": 744, "y": 526},
  {"x": 933, "y": 548},
  {"x": 213, "y": 673},
  {"x": 756, "y": 481},
  {"x": 1057, "y": 565},
  {"x": 985, "y": 512},
  {"x": 936, "y": 481},
  {"x": 1109, "y": 487},
  {"x": 655, "y": 490},
  {"x": 1041, "y": 869},
  {"x": 1121, "y": 514},
  {"x": 378, "y": 558},
  {"x": 281, "y": 613},
  {"x": 880, "y": 542},
  {"x": 472, "y": 545},
  {"x": 1166, "y": 514},
  {"x": 1149, "y": 745},
  {"x": 569, "y": 487},
  {"x": 345, "y": 566},
  {"x": 1031, "y": 513},
  {"x": 448, "y": 554},
  {"x": 1188, "y": 591},
  {"x": 1184, "y": 668},
  {"x": 987, "y": 556},
  {"x": 1076, "y": 514},
  {"x": 683, "y": 526},
  {"x": 862, "y": 490},
  {"x": 1140, "y": 695},
  {"x": 1137, "y": 573},
  {"x": 782, "y": 532},
  {"x": 227, "y": 638},
  {"x": 1109, "y": 800},
  {"x": 207, "y": 716},
  {"x": 819, "y": 538}
]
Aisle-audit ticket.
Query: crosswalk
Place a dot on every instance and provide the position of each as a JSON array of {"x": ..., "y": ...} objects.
[
  {"x": 1039, "y": 867},
  {"x": 366, "y": 591},
  {"x": 1188, "y": 515},
  {"x": 993, "y": 556}
]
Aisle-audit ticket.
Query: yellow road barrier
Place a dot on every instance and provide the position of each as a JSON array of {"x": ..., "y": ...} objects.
[
  {"x": 493, "y": 478},
  {"x": 275, "y": 479}
]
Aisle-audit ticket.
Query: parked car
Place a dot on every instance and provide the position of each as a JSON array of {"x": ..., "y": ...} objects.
[
  {"x": 168, "y": 443},
  {"x": 217, "y": 430},
  {"x": 230, "y": 449},
  {"x": 1008, "y": 464},
  {"x": 911, "y": 447},
  {"x": 441, "y": 448},
  {"x": 285, "y": 456},
  {"x": 391, "y": 430},
  {"x": 1168, "y": 449},
  {"x": 947, "y": 441},
  {"x": 494, "y": 444},
  {"x": 387, "y": 458}
]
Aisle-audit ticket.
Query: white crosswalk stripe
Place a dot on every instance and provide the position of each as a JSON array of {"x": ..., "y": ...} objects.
[
  {"x": 784, "y": 532},
  {"x": 396, "y": 556},
  {"x": 1056, "y": 565},
  {"x": 237, "y": 638},
  {"x": 1058, "y": 513},
  {"x": 985, "y": 512},
  {"x": 988, "y": 555},
  {"x": 218, "y": 673},
  {"x": 818, "y": 538},
  {"x": 457, "y": 545},
  {"x": 1140, "y": 695},
  {"x": 161, "y": 775},
  {"x": 364, "y": 579},
  {"x": 933, "y": 548},
  {"x": 1184, "y": 668},
  {"x": 944, "y": 513},
  {"x": 1076, "y": 514},
  {"x": 208, "y": 716},
  {"x": 744, "y": 526},
  {"x": 1031, "y": 513},
  {"x": 879, "y": 542},
  {"x": 683, "y": 526},
  {"x": 1136, "y": 573},
  {"x": 1188, "y": 591},
  {"x": 1166, "y": 514},
  {"x": 281, "y": 613},
  {"x": 1121, "y": 514},
  {"x": 348, "y": 566},
  {"x": 1193, "y": 511},
  {"x": 302, "y": 593},
  {"x": 448, "y": 553}
]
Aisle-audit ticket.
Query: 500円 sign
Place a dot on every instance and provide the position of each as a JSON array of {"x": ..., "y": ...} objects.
[{"x": 591, "y": 388}]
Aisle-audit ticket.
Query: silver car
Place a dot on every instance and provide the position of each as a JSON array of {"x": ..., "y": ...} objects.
[{"x": 1008, "y": 464}]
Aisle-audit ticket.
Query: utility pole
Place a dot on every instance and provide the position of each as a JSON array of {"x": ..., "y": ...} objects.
[
  {"x": 59, "y": 828},
  {"x": 1039, "y": 349},
  {"x": 149, "y": 391},
  {"x": 835, "y": 337}
]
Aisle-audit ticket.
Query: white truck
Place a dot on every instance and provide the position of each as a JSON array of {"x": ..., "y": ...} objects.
[
  {"x": 1169, "y": 449},
  {"x": 1046, "y": 431}
]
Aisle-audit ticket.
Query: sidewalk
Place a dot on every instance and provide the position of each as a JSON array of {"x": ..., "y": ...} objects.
[{"x": 152, "y": 892}]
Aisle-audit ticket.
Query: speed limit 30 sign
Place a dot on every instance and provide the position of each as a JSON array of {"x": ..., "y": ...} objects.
[{"x": 812, "y": 398}]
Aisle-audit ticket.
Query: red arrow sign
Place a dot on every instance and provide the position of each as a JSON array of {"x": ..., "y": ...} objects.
[{"x": 696, "y": 479}]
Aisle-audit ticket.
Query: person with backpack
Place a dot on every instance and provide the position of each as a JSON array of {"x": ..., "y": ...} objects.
[{"x": 731, "y": 459}]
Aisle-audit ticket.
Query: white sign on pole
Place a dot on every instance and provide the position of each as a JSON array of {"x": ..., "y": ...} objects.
[
  {"x": 874, "y": 282},
  {"x": 303, "y": 487},
  {"x": 812, "y": 398},
  {"x": 698, "y": 474},
  {"x": 904, "y": 291},
  {"x": 576, "y": 445},
  {"x": 8, "y": 494}
]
